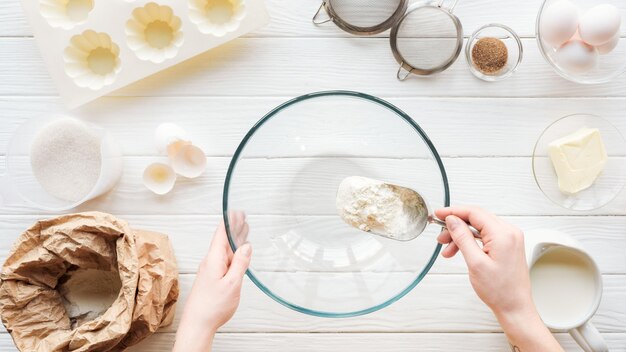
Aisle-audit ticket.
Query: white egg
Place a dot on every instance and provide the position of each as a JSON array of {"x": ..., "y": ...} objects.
[
  {"x": 168, "y": 133},
  {"x": 599, "y": 24},
  {"x": 576, "y": 56},
  {"x": 608, "y": 46},
  {"x": 559, "y": 22}
]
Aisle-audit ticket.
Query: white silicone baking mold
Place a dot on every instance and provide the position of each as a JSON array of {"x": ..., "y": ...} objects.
[{"x": 93, "y": 47}]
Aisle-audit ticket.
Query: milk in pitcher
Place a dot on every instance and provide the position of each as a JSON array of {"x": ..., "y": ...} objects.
[{"x": 564, "y": 285}]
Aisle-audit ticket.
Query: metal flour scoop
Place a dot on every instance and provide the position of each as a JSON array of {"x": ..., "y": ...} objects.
[{"x": 385, "y": 209}]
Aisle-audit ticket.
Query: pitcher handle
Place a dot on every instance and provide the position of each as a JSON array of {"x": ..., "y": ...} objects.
[{"x": 589, "y": 338}]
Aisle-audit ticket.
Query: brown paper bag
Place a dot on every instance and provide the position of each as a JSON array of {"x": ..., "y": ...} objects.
[{"x": 32, "y": 310}]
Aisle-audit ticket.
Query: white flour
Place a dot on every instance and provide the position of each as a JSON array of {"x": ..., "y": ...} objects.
[
  {"x": 65, "y": 158},
  {"x": 371, "y": 205},
  {"x": 88, "y": 293}
]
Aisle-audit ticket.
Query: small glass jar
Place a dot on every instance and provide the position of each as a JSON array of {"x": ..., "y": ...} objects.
[{"x": 513, "y": 45}]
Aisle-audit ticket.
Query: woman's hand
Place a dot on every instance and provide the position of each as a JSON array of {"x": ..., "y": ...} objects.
[
  {"x": 215, "y": 295},
  {"x": 498, "y": 273}
]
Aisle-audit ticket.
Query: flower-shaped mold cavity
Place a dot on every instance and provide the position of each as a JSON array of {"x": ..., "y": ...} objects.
[
  {"x": 65, "y": 13},
  {"x": 153, "y": 33},
  {"x": 217, "y": 17},
  {"x": 92, "y": 60}
]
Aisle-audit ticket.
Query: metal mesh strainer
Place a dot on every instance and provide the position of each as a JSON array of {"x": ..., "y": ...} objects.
[
  {"x": 427, "y": 39},
  {"x": 362, "y": 17}
]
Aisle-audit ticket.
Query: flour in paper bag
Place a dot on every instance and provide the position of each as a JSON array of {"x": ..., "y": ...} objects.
[{"x": 88, "y": 293}]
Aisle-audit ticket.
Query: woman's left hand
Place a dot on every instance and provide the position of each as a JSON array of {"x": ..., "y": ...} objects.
[{"x": 216, "y": 291}]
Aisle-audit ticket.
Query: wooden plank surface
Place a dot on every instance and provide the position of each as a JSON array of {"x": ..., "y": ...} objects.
[
  {"x": 504, "y": 127},
  {"x": 484, "y": 131},
  {"x": 440, "y": 303},
  {"x": 293, "y": 18},
  {"x": 340, "y": 342},
  {"x": 265, "y": 67},
  {"x": 603, "y": 237},
  {"x": 472, "y": 180},
  {"x": 426, "y": 342}
]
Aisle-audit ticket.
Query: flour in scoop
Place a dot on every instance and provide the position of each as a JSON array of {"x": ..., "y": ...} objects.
[
  {"x": 65, "y": 157},
  {"x": 381, "y": 208}
]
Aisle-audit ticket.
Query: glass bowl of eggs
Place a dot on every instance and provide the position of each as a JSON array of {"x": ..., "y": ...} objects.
[{"x": 582, "y": 39}]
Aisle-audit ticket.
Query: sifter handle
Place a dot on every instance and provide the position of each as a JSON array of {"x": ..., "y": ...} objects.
[
  {"x": 451, "y": 8},
  {"x": 399, "y": 73},
  {"x": 317, "y": 14}
]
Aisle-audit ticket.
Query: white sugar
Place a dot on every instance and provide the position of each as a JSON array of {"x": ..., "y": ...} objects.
[{"x": 65, "y": 157}]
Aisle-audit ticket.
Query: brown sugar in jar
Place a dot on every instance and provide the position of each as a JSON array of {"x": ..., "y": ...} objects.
[{"x": 490, "y": 55}]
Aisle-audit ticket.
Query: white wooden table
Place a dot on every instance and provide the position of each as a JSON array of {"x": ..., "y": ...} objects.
[{"x": 485, "y": 133}]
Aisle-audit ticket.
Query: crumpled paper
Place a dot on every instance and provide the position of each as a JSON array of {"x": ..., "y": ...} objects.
[{"x": 32, "y": 310}]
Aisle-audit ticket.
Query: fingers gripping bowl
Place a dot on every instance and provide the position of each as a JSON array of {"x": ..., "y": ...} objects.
[{"x": 284, "y": 176}]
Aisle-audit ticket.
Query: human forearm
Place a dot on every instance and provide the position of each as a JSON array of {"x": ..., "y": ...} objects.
[
  {"x": 498, "y": 271},
  {"x": 193, "y": 339},
  {"x": 526, "y": 332},
  {"x": 216, "y": 291}
]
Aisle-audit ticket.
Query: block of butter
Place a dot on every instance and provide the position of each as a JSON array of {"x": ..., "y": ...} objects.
[{"x": 578, "y": 159}]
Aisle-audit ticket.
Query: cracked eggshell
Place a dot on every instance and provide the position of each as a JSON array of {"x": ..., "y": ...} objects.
[
  {"x": 190, "y": 161},
  {"x": 154, "y": 33},
  {"x": 174, "y": 147},
  {"x": 167, "y": 134},
  {"x": 92, "y": 60},
  {"x": 159, "y": 178},
  {"x": 65, "y": 14},
  {"x": 217, "y": 17}
]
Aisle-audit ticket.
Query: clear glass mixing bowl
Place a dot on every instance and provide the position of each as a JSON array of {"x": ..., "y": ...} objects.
[
  {"x": 610, "y": 66},
  {"x": 284, "y": 178}
]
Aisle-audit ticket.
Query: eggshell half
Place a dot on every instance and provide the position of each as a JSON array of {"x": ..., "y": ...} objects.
[
  {"x": 174, "y": 147},
  {"x": 190, "y": 161},
  {"x": 159, "y": 178}
]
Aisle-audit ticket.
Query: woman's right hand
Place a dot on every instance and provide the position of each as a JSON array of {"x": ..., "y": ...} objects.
[{"x": 498, "y": 272}]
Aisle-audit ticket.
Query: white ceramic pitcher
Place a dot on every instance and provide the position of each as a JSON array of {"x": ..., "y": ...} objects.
[{"x": 538, "y": 243}]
